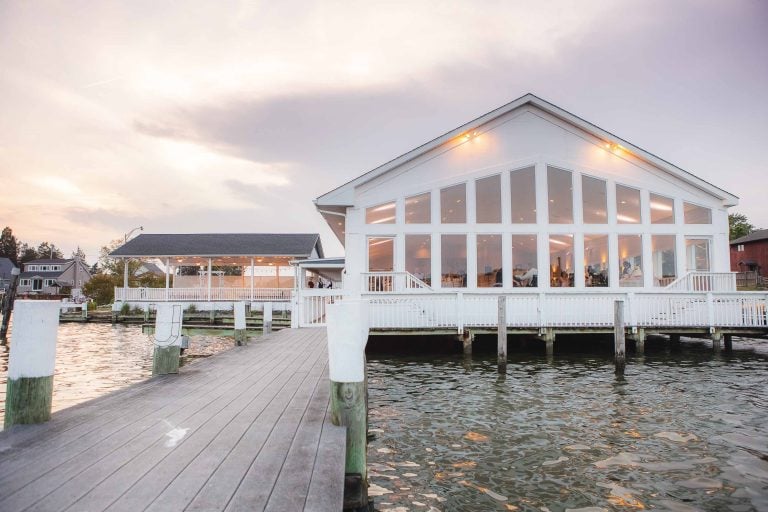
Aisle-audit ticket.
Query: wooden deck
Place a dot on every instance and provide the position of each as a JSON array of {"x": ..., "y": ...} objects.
[{"x": 248, "y": 429}]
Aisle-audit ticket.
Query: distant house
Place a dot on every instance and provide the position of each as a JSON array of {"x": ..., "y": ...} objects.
[
  {"x": 6, "y": 266},
  {"x": 49, "y": 276},
  {"x": 750, "y": 253},
  {"x": 149, "y": 268}
]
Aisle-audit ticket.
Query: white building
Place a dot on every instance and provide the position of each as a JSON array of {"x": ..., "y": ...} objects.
[{"x": 538, "y": 204}]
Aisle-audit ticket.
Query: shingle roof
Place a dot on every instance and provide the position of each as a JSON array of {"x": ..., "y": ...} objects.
[
  {"x": 221, "y": 244},
  {"x": 760, "y": 234},
  {"x": 6, "y": 266},
  {"x": 48, "y": 261}
]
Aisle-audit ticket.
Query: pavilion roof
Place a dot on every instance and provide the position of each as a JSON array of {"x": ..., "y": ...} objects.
[{"x": 220, "y": 244}]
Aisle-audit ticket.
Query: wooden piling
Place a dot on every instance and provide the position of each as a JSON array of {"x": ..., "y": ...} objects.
[
  {"x": 640, "y": 341},
  {"x": 466, "y": 339},
  {"x": 717, "y": 340},
  {"x": 31, "y": 362},
  {"x": 620, "y": 357},
  {"x": 7, "y": 304},
  {"x": 240, "y": 333},
  {"x": 728, "y": 340},
  {"x": 167, "y": 339},
  {"x": 502, "y": 334},
  {"x": 267, "y": 318},
  {"x": 347, "y": 327}
]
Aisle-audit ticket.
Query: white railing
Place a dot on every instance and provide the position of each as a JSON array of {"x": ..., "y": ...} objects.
[
  {"x": 310, "y": 309},
  {"x": 397, "y": 282},
  {"x": 201, "y": 294},
  {"x": 440, "y": 310},
  {"x": 704, "y": 282}
]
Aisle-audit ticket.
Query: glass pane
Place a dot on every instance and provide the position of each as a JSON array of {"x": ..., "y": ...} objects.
[
  {"x": 382, "y": 214},
  {"x": 381, "y": 254},
  {"x": 627, "y": 205},
  {"x": 695, "y": 214},
  {"x": 663, "y": 256},
  {"x": 697, "y": 254},
  {"x": 561, "y": 260},
  {"x": 453, "y": 260},
  {"x": 595, "y": 260},
  {"x": 418, "y": 256},
  {"x": 595, "y": 200},
  {"x": 523, "y": 185},
  {"x": 488, "y": 193},
  {"x": 453, "y": 204},
  {"x": 524, "y": 257},
  {"x": 489, "y": 261},
  {"x": 631, "y": 258},
  {"x": 662, "y": 210},
  {"x": 560, "y": 188},
  {"x": 418, "y": 209}
]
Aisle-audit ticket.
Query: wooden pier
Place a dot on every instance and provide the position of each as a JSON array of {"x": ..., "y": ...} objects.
[{"x": 248, "y": 429}]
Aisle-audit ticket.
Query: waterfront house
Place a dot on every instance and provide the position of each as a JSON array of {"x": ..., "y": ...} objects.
[
  {"x": 149, "y": 268},
  {"x": 214, "y": 270},
  {"x": 6, "y": 266},
  {"x": 535, "y": 203},
  {"x": 749, "y": 255},
  {"x": 47, "y": 276}
]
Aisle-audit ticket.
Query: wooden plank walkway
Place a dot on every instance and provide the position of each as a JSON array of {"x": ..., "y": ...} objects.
[{"x": 247, "y": 429}]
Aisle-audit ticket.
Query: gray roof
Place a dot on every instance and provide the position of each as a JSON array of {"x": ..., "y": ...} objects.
[
  {"x": 221, "y": 244},
  {"x": 322, "y": 261},
  {"x": 760, "y": 234},
  {"x": 48, "y": 261},
  {"x": 6, "y": 265}
]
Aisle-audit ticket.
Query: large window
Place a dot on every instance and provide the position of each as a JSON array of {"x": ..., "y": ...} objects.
[
  {"x": 596, "y": 260},
  {"x": 561, "y": 260},
  {"x": 381, "y": 214},
  {"x": 560, "y": 189},
  {"x": 697, "y": 254},
  {"x": 663, "y": 256},
  {"x": 453, "y": 261},
  {"x": 381, "y": 254},
  {"x": 523, "y": 187},
  {"x": 631, "y": 260},
  {"x": 627, "y": 205},
  {"x": 594, "y": 200},
  {"x": 524, "y": 257},
  {"x": 418, "y": 256},
  {"x": 695, "y": 214},
  {"x": 662, "y": 210},
  {"x": 488, "y": 194},
  {"x": 453, "y": 204},
  {"x": 489, "y": 261},
  {"x": 418, "y": 209}
]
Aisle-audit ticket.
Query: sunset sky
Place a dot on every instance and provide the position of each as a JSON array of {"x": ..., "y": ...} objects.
[{"x": 232, "y": 116}]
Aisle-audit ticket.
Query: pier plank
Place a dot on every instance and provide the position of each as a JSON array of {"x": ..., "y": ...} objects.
[{"x": 246, "y": 429}]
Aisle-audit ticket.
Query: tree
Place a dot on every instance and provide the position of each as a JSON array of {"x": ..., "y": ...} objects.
[
  {"x": 79, "y": 254},
  {"x": 49, "y": 250},
  {"x": 116, "y": 266},
  {"x": 27, "y": 253},
  {"x": 9, "y": 246},
  {"x": 739, "y": 226},
  {"x": 101, "y": 288}
]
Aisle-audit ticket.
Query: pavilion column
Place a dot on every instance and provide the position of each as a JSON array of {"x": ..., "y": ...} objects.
[
  {"x": 277, "y": 275},
  {"x": 125, "y": 272},
  {"x": 252, "y": 272},
  {"x": 167, "y": 276},
  {"x": 210, "y": 269}
]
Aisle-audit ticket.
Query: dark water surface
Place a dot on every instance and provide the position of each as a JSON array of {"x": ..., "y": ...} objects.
[
  {"x": 94, "y": 359},
  {"x": 684, "y": 430}
]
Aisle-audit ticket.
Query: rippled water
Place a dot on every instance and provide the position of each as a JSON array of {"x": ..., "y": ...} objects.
[
  {"x": 93, "y": 359},
  {"x": 684, "y": 430}
]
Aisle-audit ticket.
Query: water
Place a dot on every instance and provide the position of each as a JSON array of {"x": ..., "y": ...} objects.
[
  {"x": 683, "y": 431},
  {"x": 94, "y": 359}
]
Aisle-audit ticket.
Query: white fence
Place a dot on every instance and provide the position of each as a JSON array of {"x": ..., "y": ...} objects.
[
  {"x": 201, "y": 294},
  {"x": 310, "y": 308},
  {"x": 704, "y": 282},
  {"x": 388, "y": 282}
]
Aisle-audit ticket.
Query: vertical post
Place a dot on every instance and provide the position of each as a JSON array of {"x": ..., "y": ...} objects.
[
  {"x": 252, "y": 272},
  {"x": 640, "y": 341},
  {"x": 502, "y": 335},
  {"x": 717, "y": 339},
  {"x": 167, "y": 339},
  {"x": 728, "y": 339},
  {"x": 347, "y": 327},
  {"x": 240, "y": 333},
  {"x": 31, "y": 362},
  {"x": 710, "y": 311},
  {"x": 267, "y": 316},
  {"x": 209, "y": 279},
  {"x": 618, "y": 336},
  {"x": 125, "y": 274},
  {"x": 8, "y": 299},
  {"x": 466, "y": 342},
  {"x": 167, "y": 276}
]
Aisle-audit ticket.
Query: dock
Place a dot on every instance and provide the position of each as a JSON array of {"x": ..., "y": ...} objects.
[{"x": 247, "y": 429}]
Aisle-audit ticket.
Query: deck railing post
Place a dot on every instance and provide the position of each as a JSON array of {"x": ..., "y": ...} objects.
[
  {"x": 460, "y": 312},
  {"x": 31, "y": 362},
  {"x": 618, "y": 337},
  {"x": 542, "y": 311},
  {"x": 267, "y": 317},
  {"x": 710, "y": 311},
  {"x": 347, "y": 327},
  {"x": 502, "y": 334}
]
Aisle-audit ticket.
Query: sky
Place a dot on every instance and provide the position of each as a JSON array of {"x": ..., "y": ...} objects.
[{"x": 228, "y": 116}]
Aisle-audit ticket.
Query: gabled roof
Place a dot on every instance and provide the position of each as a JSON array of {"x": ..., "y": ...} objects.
[
  {"x": 220, "y": 244},
  {"x": 6, "y": 265},
  {"x": 760, "y": 234},
  {"x": 48, "y": 261},
  {"x": 341, "y": 195}
]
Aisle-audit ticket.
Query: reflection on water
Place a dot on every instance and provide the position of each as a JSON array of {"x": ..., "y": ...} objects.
[
  {"x": 95, "y": 359},
  {"x": 682, "y": 431}
]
